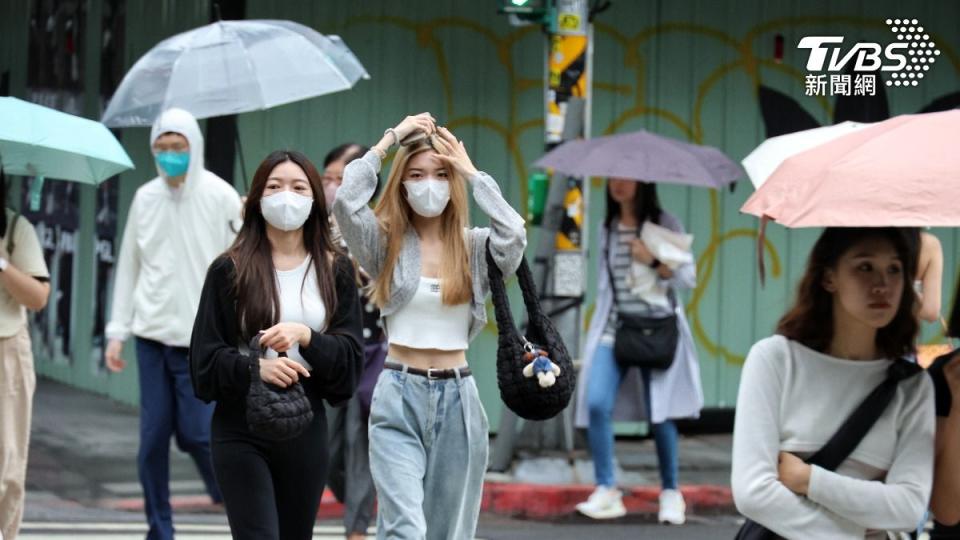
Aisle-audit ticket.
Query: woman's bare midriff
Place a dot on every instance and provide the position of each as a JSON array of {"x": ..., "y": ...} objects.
[{"x": 427, "y": 358}]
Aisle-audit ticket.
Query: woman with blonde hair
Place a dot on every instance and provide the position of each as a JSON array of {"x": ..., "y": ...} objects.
[{"x": 428, "y": 430}]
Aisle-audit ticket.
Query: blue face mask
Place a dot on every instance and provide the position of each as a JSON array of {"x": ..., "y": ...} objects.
[{"x": 174, "y": 163}]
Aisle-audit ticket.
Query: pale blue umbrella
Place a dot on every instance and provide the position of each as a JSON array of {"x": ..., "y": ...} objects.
[{"x": 43, "y": 142}]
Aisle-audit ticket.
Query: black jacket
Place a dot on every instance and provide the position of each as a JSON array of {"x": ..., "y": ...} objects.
[{"x": 219, "y": 370}]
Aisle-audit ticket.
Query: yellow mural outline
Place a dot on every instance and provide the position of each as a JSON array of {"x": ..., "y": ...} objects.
[
  {"x": 707, "y": 259},
  {"x": 622, "y": 89},
  {"x": 509, "y": 137},
  {"x": 425, "y": 32},
  {"x": 647, "y": 111},
  {"x": 746, "y": 59}
]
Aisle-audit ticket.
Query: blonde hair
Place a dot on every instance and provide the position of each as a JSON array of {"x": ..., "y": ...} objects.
[{"x": 394, "y": 215}]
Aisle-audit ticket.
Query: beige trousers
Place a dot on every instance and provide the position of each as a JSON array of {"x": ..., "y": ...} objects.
[{"x": 17, "y": 384}]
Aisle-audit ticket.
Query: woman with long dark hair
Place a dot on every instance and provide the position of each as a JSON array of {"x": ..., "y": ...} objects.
[
  {"x": 656, "y": 395},
  {"x": 283, "y": 277},
  {"x": 854, "y": 315}
]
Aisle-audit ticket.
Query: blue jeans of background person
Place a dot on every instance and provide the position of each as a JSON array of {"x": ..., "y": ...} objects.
[
  {"x": 168, "y": 407},
  {"x": 602, "y": 386},
  {"x": 428, "y": 455}
]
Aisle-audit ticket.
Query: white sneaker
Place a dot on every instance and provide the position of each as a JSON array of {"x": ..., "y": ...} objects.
[
  {"x": 673, "y": 509},
  {"x": 604, "y": 503}
]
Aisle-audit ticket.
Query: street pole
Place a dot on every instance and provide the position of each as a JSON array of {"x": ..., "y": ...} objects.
[{"x": 559, "y": 263}]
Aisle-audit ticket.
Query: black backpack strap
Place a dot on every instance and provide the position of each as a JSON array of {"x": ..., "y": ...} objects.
[{"x": 859, "y": 423}]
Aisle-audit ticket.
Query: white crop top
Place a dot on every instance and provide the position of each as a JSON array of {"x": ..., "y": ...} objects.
[
  {"x": 426, "y": 323},
  {"x": 300, "y": 302}
]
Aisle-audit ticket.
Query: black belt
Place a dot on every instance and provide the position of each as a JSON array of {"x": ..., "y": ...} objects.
[{"x": 432, "y": 373}]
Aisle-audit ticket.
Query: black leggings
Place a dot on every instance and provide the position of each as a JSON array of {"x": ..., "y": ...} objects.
[{"x": 271, "y": 489}]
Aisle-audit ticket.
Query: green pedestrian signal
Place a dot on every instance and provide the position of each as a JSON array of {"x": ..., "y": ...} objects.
[{"x": 530, "y": 11}]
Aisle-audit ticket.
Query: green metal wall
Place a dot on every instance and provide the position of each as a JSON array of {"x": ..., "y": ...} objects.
[{"x": 684, "y": 69}]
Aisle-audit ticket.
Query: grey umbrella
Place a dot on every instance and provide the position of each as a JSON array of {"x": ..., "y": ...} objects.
[{"x": 642, "y": 155}]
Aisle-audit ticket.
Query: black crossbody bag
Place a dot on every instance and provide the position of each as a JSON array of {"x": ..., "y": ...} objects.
[{"x": 640, "y": 341}]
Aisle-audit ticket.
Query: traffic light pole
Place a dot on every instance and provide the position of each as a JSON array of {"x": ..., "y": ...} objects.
[{"x": 559, "y": 263}]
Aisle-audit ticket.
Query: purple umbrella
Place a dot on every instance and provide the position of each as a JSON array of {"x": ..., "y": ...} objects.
[{"x": 642, "y": 155}]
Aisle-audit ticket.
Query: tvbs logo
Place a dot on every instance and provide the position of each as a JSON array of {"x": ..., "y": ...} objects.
[
  {"x": 866, "y": 56},
  {"x": 906, "y": 59}
]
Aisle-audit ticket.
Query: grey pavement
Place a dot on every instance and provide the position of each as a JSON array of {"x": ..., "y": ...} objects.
[{"x": 83, "y": 454}]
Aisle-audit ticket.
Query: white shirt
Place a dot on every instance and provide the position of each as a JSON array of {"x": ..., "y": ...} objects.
[
  {"x": 426, "y": 323},
  {"x": 795, "y": 403},
  {"x": 170, "y": 239},
  {"x": 300, "y": 302}
]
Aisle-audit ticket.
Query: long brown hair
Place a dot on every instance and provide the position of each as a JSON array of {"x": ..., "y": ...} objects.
[
  {"x": 810, "y": 320},
  {"x": 258, "y": 300},
  {"x": 395, "y": 216}
]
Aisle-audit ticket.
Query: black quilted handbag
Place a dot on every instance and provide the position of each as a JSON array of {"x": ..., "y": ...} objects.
[
  {"x": 272, "y": 412},
  {"x": 524, "y": 395}
]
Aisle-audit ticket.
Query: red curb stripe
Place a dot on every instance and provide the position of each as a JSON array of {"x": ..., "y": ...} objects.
[{"x": 533, "y": 501}]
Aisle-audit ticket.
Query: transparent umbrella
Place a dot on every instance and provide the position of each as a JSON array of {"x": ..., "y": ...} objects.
[{"x": 231, "y": 67}]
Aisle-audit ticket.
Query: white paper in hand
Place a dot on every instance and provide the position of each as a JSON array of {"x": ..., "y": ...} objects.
[{"x": 671, "y": 248}]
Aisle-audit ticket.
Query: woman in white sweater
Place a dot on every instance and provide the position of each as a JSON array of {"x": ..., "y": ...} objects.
[{"x": 854, "y": 314}]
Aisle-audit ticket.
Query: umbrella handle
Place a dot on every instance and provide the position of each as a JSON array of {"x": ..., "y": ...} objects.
[
  {"x": 36, "y": 189},
  {"x": 243, "y": 164},
  {"x": 761, "y": 236}
]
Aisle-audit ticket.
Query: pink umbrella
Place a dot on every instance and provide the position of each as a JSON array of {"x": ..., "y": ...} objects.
[{"x": 902, "y": 172}]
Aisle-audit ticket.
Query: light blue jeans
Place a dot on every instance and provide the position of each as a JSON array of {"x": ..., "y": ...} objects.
[
  {"x": 602, "y": 386},
  {"x": 428, "y": 455}
]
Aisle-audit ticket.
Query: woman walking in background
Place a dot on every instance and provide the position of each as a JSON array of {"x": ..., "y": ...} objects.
[{"x": 610, "y": 391}]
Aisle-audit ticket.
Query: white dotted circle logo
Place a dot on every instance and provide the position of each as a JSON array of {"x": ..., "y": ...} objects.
[{"x": 920, "y": 50}]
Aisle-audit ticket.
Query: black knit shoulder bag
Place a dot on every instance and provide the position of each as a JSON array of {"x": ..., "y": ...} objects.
[
  {"x": 272, "y": 412},
  {"x": 524, "y": 394}
]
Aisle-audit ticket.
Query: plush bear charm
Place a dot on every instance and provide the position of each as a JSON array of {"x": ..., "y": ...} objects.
[{"x": 541, "y": 366}]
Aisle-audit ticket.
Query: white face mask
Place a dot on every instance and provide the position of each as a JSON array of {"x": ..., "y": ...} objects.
[
  {"x": 286, "y": 210},
  {"x": 428, "y": 197}
]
